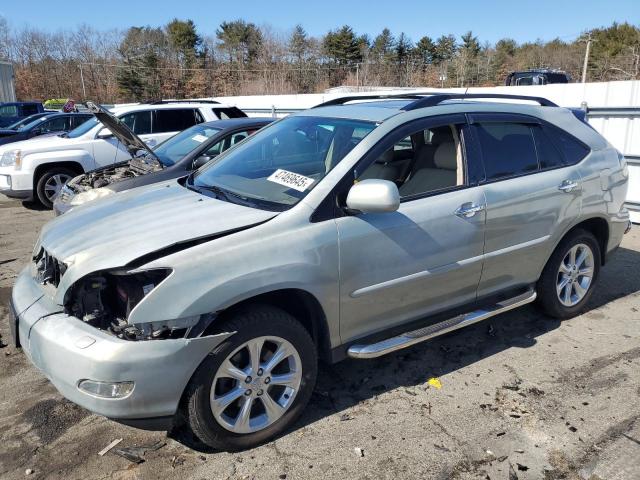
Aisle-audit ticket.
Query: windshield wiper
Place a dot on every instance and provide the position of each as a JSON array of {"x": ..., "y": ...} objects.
[{"x": 220, "y": 193}]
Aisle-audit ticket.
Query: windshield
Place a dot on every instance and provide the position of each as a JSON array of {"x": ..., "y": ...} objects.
[
  {"x": 280, "y": 164},
  {"x": 32, "y": 123},
  {"x": 21, "y": 123},
  {"x": 84, "y": 128},
  {"x": 178, "y": 146}
]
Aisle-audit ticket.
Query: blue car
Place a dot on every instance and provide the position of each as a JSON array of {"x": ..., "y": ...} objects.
[
  {"x": 11, "y": 112},
  {"x": 43, "y": 125}
]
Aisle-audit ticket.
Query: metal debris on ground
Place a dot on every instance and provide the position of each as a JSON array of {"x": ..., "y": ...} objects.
[
  {"x": 28, "y": 471},
  {"x": 345, "y": 417},
  {"x": 359, "y": 451},
  {"x": 135, "y": 454},
  {"x": 109, "y": 447},
  {"x": 176, "y": 461}
]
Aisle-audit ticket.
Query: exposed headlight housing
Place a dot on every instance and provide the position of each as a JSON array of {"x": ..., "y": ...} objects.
[
  {"x": 90, "y": 195},
  {"x": 11, "y": 158},
  {"x": 105, "y": 300}
]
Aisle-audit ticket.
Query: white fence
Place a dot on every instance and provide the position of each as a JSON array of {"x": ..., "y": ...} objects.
[{"x": 613, "y": 109}]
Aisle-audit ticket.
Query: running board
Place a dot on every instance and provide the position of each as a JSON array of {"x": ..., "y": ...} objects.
[{"x": 416, "y": 336}]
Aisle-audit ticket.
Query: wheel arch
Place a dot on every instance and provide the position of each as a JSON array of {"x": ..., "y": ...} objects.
[
  {"x": 599, "y": 227},
  {"x": 300, "y": 304},
  {"x": 44, "y": 167}
]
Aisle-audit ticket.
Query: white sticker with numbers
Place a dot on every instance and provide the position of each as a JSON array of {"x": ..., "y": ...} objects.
[
  {"x": 199, "y": 138},
  {"x": 291, "y": 180}
]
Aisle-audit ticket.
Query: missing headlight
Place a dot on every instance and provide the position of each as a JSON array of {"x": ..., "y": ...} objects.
[{"x": 106, "y": 299}]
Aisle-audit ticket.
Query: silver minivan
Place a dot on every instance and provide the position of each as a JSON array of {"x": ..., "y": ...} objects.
[{"x": 352, "y": 229}]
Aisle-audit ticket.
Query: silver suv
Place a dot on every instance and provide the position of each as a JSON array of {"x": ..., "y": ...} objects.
[{"x": 352, "y": 229}]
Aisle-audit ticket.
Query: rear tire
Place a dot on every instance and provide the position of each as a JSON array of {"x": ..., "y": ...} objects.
[
  {"x": 568, "y": 278},
  {"x": 256, "y": 388},
  {"x": 50, "y": 183}
]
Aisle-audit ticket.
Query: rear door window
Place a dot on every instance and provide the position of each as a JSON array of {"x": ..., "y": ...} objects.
[
  {"x": 138, "y": 122},
  {"x": 78, "y": 120},
  {"x": 549, "y": 155},
  {"x": 508, "y": 149},
  {"x": 29, "y": 109},
  {"x": 175, "y": 120}
]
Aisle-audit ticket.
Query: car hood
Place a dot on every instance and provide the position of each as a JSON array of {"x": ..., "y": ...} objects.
[
  {"x": 103, "y": 176},
  {"x": 42, "y": 143},
  {"x": 116, "y": 231}
]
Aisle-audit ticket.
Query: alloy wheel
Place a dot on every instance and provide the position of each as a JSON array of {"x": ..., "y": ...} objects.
[
  {"x": 256, "y": 384},
  {"x": 575, "y": 275},
  {"x": 54, "y": 184}
]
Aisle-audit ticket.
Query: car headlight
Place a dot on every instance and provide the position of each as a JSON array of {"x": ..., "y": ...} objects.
[
  {"x": 90, "y": 195},
  {"x": 11, "y": 158}
]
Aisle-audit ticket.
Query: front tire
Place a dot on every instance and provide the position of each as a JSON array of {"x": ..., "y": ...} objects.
[
  {"x": 51, "y": 182},
  {"x": 256, "y": 383},
  {"x": 567, "y": 281}
]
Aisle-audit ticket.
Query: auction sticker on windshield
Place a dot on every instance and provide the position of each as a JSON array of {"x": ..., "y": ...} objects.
[
  {"x": 199, "y": 138},
  {"x": 291, "y": 180}
]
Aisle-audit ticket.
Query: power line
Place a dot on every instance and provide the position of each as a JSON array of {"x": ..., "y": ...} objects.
[{"x": 223, "y": 69}]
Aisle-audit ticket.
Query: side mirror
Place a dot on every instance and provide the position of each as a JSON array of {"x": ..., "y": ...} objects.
[
  {"x": 374, "y": 196},
  {"x": 105, "y": 133},
  {"x": 200, "y": 161}
]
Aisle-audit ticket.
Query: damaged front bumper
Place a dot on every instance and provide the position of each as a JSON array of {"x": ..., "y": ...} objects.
[{"x": 69, "y": 351}]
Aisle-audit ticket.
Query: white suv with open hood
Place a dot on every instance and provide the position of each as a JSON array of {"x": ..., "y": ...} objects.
[{"x": 38, "y": 168}]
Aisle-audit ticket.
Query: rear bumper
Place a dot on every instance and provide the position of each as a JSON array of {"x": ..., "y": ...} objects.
[{"x": 67, "y": 350}]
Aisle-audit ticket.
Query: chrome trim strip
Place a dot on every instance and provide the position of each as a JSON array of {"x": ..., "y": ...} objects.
[
  {"x": 518, "y": 246},
  {"x": 414, "y": 276},
  {"x": 444, "y": 268},
  {"x": 417, "y": 336}
]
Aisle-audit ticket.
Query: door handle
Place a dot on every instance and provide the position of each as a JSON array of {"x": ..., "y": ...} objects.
[
  {"x": 468, "y": 210},
  {"x": 568, "y": 186}
]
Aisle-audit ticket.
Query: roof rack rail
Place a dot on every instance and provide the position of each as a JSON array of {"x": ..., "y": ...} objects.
[
  {"x": 431, "y": 99},
  {"x": 161, "y": 102},
  {"x": 438, "y": 98},
  {"x": 381, "y": 96}
]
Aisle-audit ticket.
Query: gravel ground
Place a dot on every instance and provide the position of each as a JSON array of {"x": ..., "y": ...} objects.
[{"x": 522, "y": 396}]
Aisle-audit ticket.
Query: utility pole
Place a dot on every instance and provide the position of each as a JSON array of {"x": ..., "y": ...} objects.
[
  {"x": 586, "y": 59},
  {"x": 357, "y": 77},
  {"x": 84, "y": 91}
]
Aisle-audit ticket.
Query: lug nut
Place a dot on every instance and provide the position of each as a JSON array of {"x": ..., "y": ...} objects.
[
  {"x": 248, "y": 380},
  {"x": 260, "y": 392},
  {"x": 247, "y": 392},
  {"x": 260, "y": 372},
  {"x": 267, "y": 380}
]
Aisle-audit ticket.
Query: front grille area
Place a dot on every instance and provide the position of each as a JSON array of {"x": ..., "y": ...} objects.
[{"x": 48, "y": 269}]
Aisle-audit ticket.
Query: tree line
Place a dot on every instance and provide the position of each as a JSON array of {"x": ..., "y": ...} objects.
[{"x": 241, "y": 58}]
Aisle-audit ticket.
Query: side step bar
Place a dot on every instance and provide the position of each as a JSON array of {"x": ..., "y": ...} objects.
[{"x": 416, "y": 336}]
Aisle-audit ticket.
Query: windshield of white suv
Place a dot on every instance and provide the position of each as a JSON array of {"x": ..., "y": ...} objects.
[
  {"x": 178, "y": 146},
  {"x": 280, "y": 164},
  {"x": 82, "y": 129}
]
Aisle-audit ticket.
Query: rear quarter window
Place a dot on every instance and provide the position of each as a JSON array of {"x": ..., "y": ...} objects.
[
  {"x": 572, "y": 149},
  {"x": 230, "y": 112}
]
